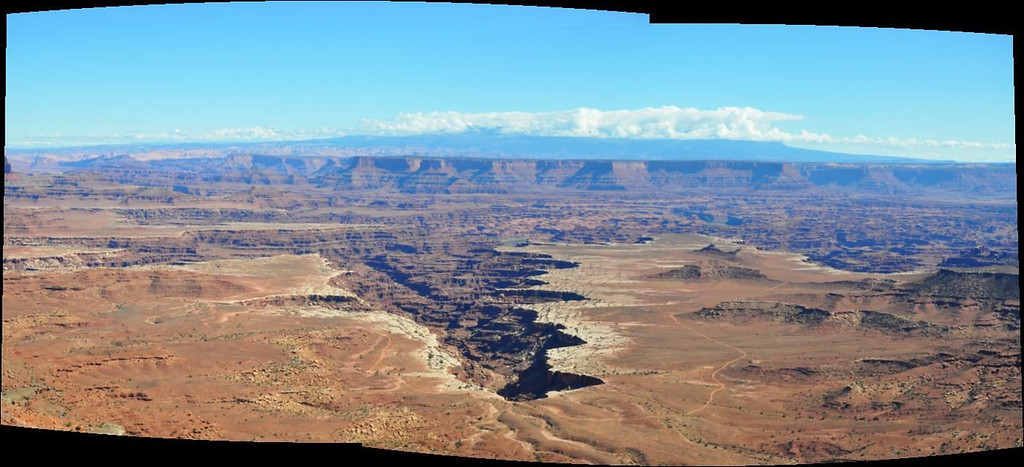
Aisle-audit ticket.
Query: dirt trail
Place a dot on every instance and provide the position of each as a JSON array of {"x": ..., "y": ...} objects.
[
  {"x": 383, "y": 353},
  {"x": 714, "y": 375},
  {"x": 743, "y": 354},
  {"x": 769, "y": 289}
]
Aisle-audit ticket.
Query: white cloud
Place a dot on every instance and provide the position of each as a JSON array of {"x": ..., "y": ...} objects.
[
  {"x": 670, "y": 122},
  {"x": 662, "y": 122},
  {"x": 734, "y": 123}
]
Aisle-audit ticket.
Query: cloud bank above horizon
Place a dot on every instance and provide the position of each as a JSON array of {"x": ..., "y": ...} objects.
[{"x": 668, "y": 122}]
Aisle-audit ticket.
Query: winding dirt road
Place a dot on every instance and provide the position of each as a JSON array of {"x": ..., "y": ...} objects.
[{"x": 714, "y": 375}]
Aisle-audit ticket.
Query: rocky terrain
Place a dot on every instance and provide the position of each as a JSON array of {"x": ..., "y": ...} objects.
[
  {"x": 842, "y": 215},
  {"x": 499, "y": 308},
  {"x": 992, "y": 296},
  {"x": 712, "y": 272}
]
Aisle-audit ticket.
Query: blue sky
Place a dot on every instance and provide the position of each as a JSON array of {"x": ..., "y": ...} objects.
[{"x": 272, "y": 71}]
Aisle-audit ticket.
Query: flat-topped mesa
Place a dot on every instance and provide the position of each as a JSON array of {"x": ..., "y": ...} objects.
[
  {"x": 339, "y": 302},
  {"x": 466, "y": 175},
  {"x": 743, "y": 310},
  {"x": 444, "y": 174},
  {"x": 714, "y": 251},
  {"x": 887, "y": 323},
  {"x": 983, "y": 286},
  {"x": 995, "y": 293},
  {"x": 710, "y": 272}
]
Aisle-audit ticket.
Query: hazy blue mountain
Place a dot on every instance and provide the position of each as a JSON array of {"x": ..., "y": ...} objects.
[
  {"x": 546, "y": 147},
  {"x": 490, "y": 144}
]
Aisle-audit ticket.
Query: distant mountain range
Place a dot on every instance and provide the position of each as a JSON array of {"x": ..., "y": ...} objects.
[
  {"x": 483, "y": 144},
  {"x": 554, "y": 147}
]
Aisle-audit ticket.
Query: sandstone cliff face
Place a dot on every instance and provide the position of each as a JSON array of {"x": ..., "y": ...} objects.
[
  {"x": 454, "y": 175},
  {"x": 988, "y": 299},
  {"x": 982, "y": 286},
  {"x": 888, "y": 323}
]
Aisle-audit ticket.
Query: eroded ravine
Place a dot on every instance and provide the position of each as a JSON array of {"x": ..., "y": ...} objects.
[{"x": 493, "y": 326}]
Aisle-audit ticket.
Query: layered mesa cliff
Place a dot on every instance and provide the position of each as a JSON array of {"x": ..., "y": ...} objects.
[{"x": 465, "y": 175}]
